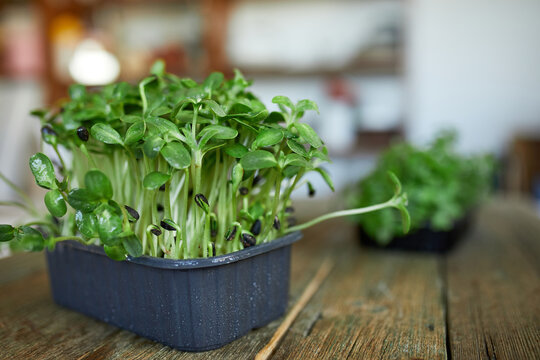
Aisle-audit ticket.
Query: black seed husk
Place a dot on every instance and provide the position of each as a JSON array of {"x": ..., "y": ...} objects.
[
  {"x": 132, "y": 212},
  {"x": 166, "y": 226},
  {"x": 311, "y": 192},
  {"x": 199, "y": 199},
  {"x": 257, "y": 179},
  {"x": 248, "y": 240},
  {"x": 230, "y": 234},
  {"x": 256, "y": 227},
  {"x": 162, "y": 187},
  {"x": 47, "y": 130},
  {"x": 156, "y": 231},
  {"x": 277, "y": 223},
  {"x": 83, "y": 134},
  {"x": 160, "y": 207},
  {"x": 289, "y": 209},
  {"x": 244, "y": 190}
]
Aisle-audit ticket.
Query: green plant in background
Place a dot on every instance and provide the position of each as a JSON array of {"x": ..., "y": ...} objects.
[
  {"x": 173, "y": 168},
  {"x": 442, "y": 187}
]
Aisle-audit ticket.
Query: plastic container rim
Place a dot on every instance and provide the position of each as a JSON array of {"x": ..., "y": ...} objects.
[{"x": 184, "y": 264}]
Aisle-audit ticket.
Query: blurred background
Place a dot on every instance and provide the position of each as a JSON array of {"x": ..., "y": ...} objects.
[{"x": 380, "y": 70}]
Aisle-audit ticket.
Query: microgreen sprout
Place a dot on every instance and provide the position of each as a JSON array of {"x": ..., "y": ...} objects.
[
  {"x": 443, "y": 187},
  {"x": 199, "y": 169}
]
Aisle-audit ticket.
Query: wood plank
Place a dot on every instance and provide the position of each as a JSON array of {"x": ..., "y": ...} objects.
[
  {"x": 32, "y": 326},
  {"x": 494, "y": 288},
  {"x": 376, "y": 304},
  {"x": 20, "y": 265}
]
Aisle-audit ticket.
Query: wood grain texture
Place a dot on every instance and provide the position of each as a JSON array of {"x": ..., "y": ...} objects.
[
  {"x": 374, "y": 305},
  {"x": 479, "y": 302},
  {"x": 494, "y": 287}
]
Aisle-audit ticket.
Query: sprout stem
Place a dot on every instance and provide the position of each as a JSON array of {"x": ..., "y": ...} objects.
[{"x": 341, "y": 213}]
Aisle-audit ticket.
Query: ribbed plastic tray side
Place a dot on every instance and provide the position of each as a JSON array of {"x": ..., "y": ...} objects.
[{"x": 192, "y": 309}]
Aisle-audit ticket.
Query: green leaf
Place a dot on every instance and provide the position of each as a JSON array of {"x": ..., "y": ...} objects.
[
  {"x": 152, "y": 146},
  {"x": 247, "y": 125},
  {"x": 161, "y": 110},
  {"x": 291, "y": 171},
  {"x": 297, "y": 148},
  {"x": 155, "y": 179},
  {"x": 165, "y": 126},
  {"x": 146, "y": 81},
  {"x": 30, "y": 239},
  {"x": 135, "y": 133},
  {"x": 55, "y": 203},
  {"x": 43, "y": 171},
  {"x": 258, "y": 159},
  {"x": 98, "y": 184},
  {"x": 86, "y": 223},
  {"x": 218, "y": 132},
  {"x": 323, "y": 155},
  {"x": 237, "y": 175},
  {"x": 267, "y": 137},
  {"x": 215, "y": 108},
  {"x": 109, "y": 223},
  {"x": 158, "y": 68},
  {"x": 189, "y": 83},
  {"x": 308, "y": 134},
  {"x": 40, "y": 113},
  {"x": 236, "y": 150},
  {"x": 176, "y": 155},
  {"x": 131, "y": 119},
  {"x": 117, "y": 253},
  {"x": 213, "y": 81},
  {"x": 304, "y": 105},
  {"x": 283, "y": 100},
  {"x": 76, "y": 91},
  {"x": 275, "y": 117},
  {"x": 326, "y": 177},
  {"x": 133, "y": 245},
  {"x": 7, "y": 232},
  {"x": 296, "y": 160},
  {"x": 106, "y": 134},
  {"x": 239, "y": 109},
  {"x": 83, "y": 200}
]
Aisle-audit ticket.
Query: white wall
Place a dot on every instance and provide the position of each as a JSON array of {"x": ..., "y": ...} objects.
[{"x": 473, "y": 65}]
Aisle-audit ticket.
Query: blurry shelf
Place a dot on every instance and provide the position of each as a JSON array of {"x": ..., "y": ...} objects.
[{"x": 360, "y": 67}]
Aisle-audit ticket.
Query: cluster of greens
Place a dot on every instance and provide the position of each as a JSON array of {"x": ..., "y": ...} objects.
[
  {"x": 442, "y": 187},
  {"x": 172, "y": 168}
]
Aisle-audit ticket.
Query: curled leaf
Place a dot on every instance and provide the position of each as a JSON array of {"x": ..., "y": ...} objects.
[
  {"x": 155, "y": 179},
  {"x": 258, "y": 159},
  {"x": 43, "y": 171},
  {"x": 55, "y": 203},
  {"x": 7, "y": 232},
  {"x": 106, "y": 134}
]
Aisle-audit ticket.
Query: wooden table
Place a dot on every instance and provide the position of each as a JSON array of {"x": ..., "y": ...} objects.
[{"x": 480, "y": 302}]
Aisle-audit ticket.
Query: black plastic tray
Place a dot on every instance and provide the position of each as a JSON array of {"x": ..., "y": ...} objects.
[
  {"x": 422, "y": 240},
  {"x": 190, "y": 305}
]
